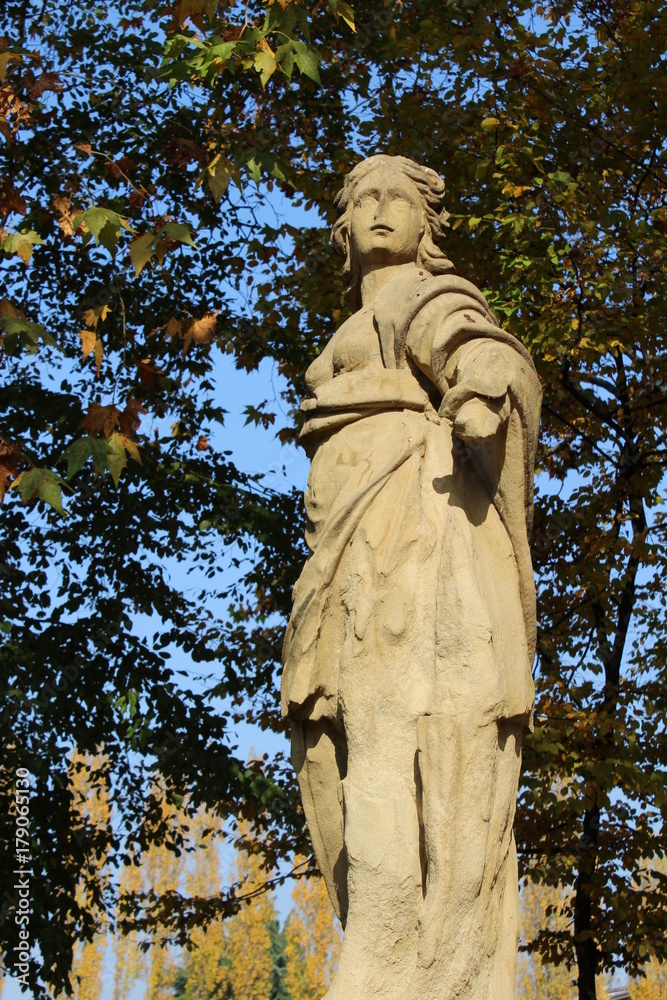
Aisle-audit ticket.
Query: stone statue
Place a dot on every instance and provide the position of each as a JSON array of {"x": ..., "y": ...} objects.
[{"x": 407, "y": 659}]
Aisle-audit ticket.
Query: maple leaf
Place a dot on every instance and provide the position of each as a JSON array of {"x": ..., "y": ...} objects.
[
  {"x": 10, "y": 459},
  {"x": 41, "y": 484},
  {"x": 8, "y": 309},
  {"x": 130, "y": 419},
  {"x": 11, "y": 200},
  {"x": 63, "y": 206},
  {"x": 94, "y": 315},
  {"x": 147, "y": 372},
  {"x": 109, "y": 420},
  {"x": 119, "y": 447},
  {"x": 100, "y": 420},
  {"x": 45, "y": 81},
  {"x": 21, "y": 244},
  {"x": 199, "y": 331},
  {"x": 20, "y": 332},
  {"x": 88, "y": 339}
]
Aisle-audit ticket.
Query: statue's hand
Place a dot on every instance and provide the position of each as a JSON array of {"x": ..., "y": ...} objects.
[
  {"x": 478, "y": 420},
  {"x": 478, "y": 404}
]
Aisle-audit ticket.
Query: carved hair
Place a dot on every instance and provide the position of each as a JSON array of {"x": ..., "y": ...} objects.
[{"x": 431, "y": 188}]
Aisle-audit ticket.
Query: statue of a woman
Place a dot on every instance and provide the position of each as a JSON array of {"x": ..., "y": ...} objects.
[{"x": 407, "y": 660}]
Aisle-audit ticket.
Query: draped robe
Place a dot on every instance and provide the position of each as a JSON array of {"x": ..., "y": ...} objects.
[{"x": 407, "y": 658}]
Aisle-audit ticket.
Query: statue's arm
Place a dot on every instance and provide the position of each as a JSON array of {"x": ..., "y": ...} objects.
[
  {"x": 477, "y": 400},
  {"x": 473, "y": 378}
]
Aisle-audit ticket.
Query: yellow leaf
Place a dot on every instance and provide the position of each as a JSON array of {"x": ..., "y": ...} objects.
[
  {"x": 490, "y": 123},
  {"x": 5, "y": 58},
  {"x": 92, "y": 316},
  {"x": 345, "y": 11},
  {"x": 98, "y": 352},
  {"x": 88, "y": 339}
]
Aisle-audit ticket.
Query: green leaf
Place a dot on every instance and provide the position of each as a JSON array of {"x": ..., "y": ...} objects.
[
  {"x": 78, "y": 453},
  {"x": 104, "y": 224},
  {"x": 141, "y": 251},
  {"x": 308, "y": 61},
  {"x": 21, "y": 244},
  {"x": 41, "y": 484},
  {"x": 22, "y": 333},
  {"x": 254, "y": 169},
  {"x": 180, "y": 231},
  {"x": 265, "y": 64},
  {"x": 285, "y": 59},
  {"x": 346, "y": 12},
  {"x": 218, "y": 176}
]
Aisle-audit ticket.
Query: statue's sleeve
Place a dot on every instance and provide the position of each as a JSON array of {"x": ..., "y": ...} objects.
[{"x": 487, "y": 383}]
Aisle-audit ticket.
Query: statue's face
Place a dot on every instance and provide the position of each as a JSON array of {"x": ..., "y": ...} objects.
[{"x": 387, "y": 219}]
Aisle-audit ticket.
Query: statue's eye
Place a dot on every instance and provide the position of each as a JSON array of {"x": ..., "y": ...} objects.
[{"x": 367, "y": 200}]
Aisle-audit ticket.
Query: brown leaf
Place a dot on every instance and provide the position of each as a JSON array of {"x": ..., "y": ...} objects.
[
  {"x": 10, "y": 460},
  {"x": 109, "y": 420},
  {"x": 11, "y": 200},
  {"x": 174, "y": 328},
  {"x": 46, "y": 81},
  {"x": 130, "y": 418},
  {"x": 8, "y": 309},
  {"x": 100, "y": 420},
  {"x": 202, "y": 443},
  {"x": 63, "y": 206},
  {"x": 147, "y": 371}
]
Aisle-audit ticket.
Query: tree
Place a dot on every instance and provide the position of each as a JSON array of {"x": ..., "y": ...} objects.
[
  {"x": 129, "y": 960},
  {"x": 312, "y": 941},
  {"x": 547, "y": 122},
  {"x": 92, "y": 809},
  {"x": 202, "y": 971},
  {"x": 653, "y": 985},
  {"x": 542, "y": 907},
  {"x": 247, "y": 951},
  {"x": 93, "y": 138}
]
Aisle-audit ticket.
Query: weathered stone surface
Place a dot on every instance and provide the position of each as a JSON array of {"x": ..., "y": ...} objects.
[{"x": 407, "y": 659}]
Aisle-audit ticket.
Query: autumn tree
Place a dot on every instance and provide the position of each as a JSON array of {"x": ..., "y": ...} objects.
[
  {"x": 312, "y": 940},
  {"x": 91, "y": 812},
  {"x": 542, "y": 907},
  {"x": 202, "y": 971},
  {"x": 129, "y": 959}
]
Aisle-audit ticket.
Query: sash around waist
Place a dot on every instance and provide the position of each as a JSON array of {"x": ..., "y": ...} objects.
[{"x": 352, "y": 395}]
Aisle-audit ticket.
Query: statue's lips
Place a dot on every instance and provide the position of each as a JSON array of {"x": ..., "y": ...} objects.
[{"x": 381, "y": 230}]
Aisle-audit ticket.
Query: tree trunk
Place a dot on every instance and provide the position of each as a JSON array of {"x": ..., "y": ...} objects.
[{"x": 584, "y": 941}]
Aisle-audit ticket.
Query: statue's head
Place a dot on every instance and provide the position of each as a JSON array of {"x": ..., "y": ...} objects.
[{"x": 389, "y": 213}]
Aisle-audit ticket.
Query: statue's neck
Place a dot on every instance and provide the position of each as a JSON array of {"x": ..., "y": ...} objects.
[{"x": 377, "y": 276}]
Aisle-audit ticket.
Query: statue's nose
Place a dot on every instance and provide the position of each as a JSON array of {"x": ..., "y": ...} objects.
[{"x": 379, "y": 222}]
